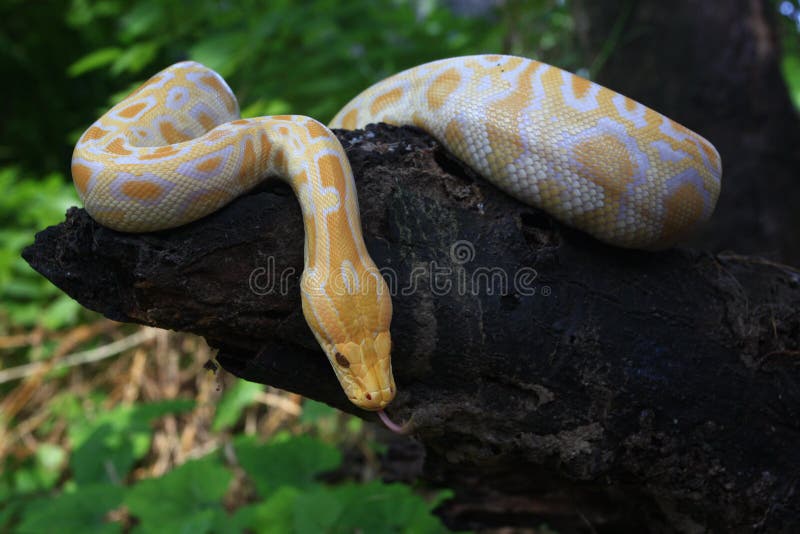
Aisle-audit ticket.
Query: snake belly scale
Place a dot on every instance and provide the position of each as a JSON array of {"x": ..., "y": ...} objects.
[{"x": 176, "y": 150}]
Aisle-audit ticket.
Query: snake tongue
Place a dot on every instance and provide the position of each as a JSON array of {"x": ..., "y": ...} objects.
[{"x": 391, "y": 425}]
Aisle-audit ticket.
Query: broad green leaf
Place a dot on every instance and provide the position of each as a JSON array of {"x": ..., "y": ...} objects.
[
  {"x": 84, "y": 511},
  {"x": 265, "y": 108},
  {"x": 328, "y": 509},
  {"x": 22, "y": 289},
  {"x": 135, "y": 58},
  {"x": 187, "y": 499},
  {"x": 294, "y": 462},
  {"x": 273, "y": 516},
  {"x": 84, "y": 12},
  {"x": 222, "y": 52},
  {"x": 63, "y": 311},
  {"x": 26, "y": 207},
  {"x": 50, "y": 460},
  {"x": 790, "y": 65},
  {"x": 10, "y": 512},
  {"x": 141, "y": 19},
  {"x": 142, "y": 415},
  {"x": 378, "y": 507},
  {"x": 34, "y": 474},
  {"x": 200, "y": 522},
  {"x": 107, "y": 454},
  {"x": 94, "y": 60},
  {"x": 105, "y": 448}
]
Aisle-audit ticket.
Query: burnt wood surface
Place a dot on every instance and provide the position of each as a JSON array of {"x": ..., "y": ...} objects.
[{"x": 596, "y": 389}]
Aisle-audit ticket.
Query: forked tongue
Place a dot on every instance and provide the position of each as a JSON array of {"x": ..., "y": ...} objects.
[{"x": 391, "y": 425}]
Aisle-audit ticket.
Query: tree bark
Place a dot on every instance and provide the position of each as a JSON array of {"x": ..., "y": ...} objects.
[
  {"x": 549, "y": 378},
  {"x": 714, "y": 67}
]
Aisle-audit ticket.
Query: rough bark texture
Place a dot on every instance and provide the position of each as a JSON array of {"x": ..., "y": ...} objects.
[
  {"x": 599, "y": 389},
  {"x": 714, "y": 67}
]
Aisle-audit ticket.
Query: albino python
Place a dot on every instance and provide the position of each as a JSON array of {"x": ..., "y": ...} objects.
[{"x": 176, "y": 150}]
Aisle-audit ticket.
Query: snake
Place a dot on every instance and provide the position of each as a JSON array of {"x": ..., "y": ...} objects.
[{"x": 176, "y": 150}]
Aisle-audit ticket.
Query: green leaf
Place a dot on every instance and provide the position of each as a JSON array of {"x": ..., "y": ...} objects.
[
  {"x": 294, "y": 462},
  {"x": 83, "y": 12},
  {"x": 273, "y": 516},
  {"x": 143, "y": 415},
  {"x": 26, "y": 207},
  {"x": 106, "y": 447},
  {"x": 50, "y": 460},
  {"x": 141, "y": 19},
  {"x": 222, "y": 53},
  {"x": 790, "y": 65},
  {"x": 372, "y": 507},
  {"x": 375, "y": 507},
  {"x": 135, "y": 58},
  {"x": 106, "y": 455},
  {"x": 10, "y": 512},
  {"x": 328, "y": 508},
  {"x": 81, "y": 511},
  {"x": 230, "y": 407},
  {"x": 187, "y": 499},
  {"x": 94, "y": 60},
  {"x": 265, "y": 108},
  {"x": 202, "y": 521},
  {"x": 33, "y": 474},
  {"x": 63, "y": 311}
]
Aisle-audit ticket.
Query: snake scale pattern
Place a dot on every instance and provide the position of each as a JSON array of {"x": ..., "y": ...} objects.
[{"x": 176, "y": 150}]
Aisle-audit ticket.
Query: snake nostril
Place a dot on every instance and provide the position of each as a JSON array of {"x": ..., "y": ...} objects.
[{"x": 368, "y": 396}]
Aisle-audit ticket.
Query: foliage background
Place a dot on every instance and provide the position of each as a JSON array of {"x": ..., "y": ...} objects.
[{"x": 108, "y": 428}]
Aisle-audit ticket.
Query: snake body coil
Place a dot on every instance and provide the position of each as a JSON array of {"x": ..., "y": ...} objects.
[{"x": 176, "y": 150}]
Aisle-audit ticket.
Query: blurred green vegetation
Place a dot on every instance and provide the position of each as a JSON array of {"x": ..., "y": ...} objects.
[
  {"x": 790, "y": 46},
  {"x": 70, "y": 59},
  {"x": 74, "y": 452},
  {"x": 89, "y": 448},
  {"x": 27, "y": 204},
  {"x": 278, "y": 479}
]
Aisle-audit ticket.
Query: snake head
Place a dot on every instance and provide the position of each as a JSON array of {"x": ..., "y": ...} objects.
[
  {"x": 351, "y": 323},
  {"x": 365, "y": 371}
]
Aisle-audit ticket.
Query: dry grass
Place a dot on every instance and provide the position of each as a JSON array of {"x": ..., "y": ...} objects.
[{"x": 129, "y": 365}]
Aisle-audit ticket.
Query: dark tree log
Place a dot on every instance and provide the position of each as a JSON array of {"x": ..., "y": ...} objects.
[
  {"x": 714, "y": 67},
  {"x": 617, "y": 389}
]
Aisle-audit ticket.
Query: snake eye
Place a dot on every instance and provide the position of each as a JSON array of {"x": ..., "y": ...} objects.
[{"x": 341, "y": 360}]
